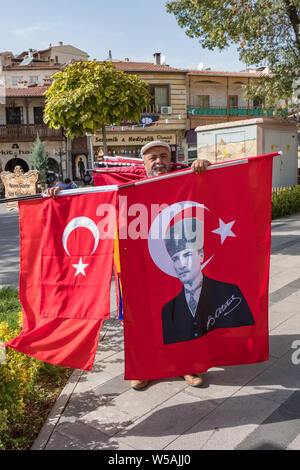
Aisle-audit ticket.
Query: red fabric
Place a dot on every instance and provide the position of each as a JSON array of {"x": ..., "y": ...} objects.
[
  {"x": 239, "y": 193},
  {"x": 119, "y": 175},
  {"x": 70, "y": 342},
  {"x": 68, "y": 292}
]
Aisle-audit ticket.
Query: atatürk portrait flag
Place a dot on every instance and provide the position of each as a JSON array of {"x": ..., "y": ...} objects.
[{"x": 195, "y": 278}]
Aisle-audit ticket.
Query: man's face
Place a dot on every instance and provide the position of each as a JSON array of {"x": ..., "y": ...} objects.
[
  {"x": 187, "y": 264},
  {"x": 157, "y": 161}
]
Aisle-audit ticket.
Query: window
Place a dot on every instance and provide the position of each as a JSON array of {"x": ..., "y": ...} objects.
[
  {"x": 38, "y": 112},
  {"x": 202, "y": 101},
  {"x": 233, "y": 101},
  {"x": 33, "y": 79},
  {"x": 14, "y": 115},
  {"x": 160, "y": 97},
  {"x": 56, "y": 59},
  {"x": 15, "y": 80}
]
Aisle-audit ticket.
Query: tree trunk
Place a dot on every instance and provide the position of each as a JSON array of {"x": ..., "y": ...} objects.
[
  {"x": 69, "y": 157},
  {"x": 104, "y": 140}
]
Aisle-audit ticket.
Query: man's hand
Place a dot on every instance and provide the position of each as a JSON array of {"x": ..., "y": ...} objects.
[
  {"x": 53, "y": 192},
  {"x": 198, "y": 166}
]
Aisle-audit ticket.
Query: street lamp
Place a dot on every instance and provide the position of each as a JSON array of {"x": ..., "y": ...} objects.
[
  {"x": 60, "y": 164},
  {"x": 60, "y": 154}
]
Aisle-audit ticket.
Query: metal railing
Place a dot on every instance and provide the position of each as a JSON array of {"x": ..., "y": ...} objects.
[{"x": 233, "y": 111}]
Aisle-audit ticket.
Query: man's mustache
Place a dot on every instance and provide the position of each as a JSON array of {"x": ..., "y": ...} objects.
[{"x": 159, "y": 165}]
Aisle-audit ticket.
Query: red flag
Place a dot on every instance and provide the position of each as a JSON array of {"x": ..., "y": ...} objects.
[
  {"x": 67, "y": 331},
  {"x": 77, "y": 256},
  {"x": 195, "y": 279},
  {"x": 118, "y": 175}
]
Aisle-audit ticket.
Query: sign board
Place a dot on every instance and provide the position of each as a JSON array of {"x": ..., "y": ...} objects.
[
  {"x": 134, "y": 139},
  {"x": 19, "y": 183}
]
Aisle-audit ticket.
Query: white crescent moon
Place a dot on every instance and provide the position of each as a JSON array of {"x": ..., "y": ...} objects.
[
  {"x": 80, "y": 222},
  {"x": 156, "y": 244}
]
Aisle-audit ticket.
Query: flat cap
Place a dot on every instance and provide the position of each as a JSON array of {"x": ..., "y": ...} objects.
[{"x": 154, "y": 143}]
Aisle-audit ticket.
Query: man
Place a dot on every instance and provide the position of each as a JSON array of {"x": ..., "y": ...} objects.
[
  {"x": 60, "y": 185},
  {"x": 81, "y": 168},
  {"x": 70, "y": 184},
  {"x": 157, "y": 160},
  {"x": 203, "y": 304}
]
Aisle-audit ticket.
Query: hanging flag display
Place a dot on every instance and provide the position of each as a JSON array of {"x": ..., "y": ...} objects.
[
  {"x": 194, "y": 268},
  {"x": 191, "y": 265}
]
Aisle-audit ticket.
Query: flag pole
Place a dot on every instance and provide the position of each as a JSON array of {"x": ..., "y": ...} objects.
[{"x": 63, "y": 192}]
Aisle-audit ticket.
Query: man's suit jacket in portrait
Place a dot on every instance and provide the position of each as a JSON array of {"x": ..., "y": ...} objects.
[{"x": 221, "y": 305}]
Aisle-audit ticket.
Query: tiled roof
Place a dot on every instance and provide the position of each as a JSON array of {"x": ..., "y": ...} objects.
[
  {"x": 33, "y": 65},
  {"x": 23, "y": 92},
  {"x": 227, "y": 74},
  {"x": 143, "y": 67}
]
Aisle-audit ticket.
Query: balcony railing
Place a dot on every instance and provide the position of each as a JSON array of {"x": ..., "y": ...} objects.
[
  {"x": 151, "y": 109},
  {"x": 28, "y": 132},
  {"x": 233, "y": 111}
]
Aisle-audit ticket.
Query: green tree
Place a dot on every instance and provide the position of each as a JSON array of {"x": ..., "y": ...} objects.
[
  {"x": 40, "y": 159},
  {"x": 87, "y": 95},
  {"x": 266, "y": 33}
]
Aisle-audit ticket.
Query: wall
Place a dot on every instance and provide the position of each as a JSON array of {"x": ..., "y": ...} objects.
[{"x": 216, "y": 88}]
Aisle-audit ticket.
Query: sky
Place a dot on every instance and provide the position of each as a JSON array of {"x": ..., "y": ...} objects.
[{"x": 133, "y": 28}]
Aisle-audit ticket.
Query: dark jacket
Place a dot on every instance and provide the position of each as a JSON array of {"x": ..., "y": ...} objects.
[{"x": 221, "y": 305}]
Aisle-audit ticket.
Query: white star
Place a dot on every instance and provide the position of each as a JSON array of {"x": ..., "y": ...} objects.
[
  {"x": 80, "y": 267},
  {"x": 224, "y": 230}
]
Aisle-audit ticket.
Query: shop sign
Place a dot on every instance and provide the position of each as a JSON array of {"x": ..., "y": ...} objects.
[
  {"x": 122, "y": 139},
  {"x": 25, "y": 148},
  {"x": 19, "y": 183},
  {"x": 147, "y": 119}
]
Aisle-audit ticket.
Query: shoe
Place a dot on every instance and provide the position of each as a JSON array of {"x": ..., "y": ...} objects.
[
  {"x": 139, "y": 384},
  {"x": 193, "y": 380}
]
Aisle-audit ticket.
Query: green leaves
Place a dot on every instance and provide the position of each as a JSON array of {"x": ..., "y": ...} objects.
[
  {"x": 87, "y": 95},
  {"x": 266, "y": 32},
  {"x": 39, "y": 158}
]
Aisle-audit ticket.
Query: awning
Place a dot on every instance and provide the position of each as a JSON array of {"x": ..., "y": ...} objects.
[{"x": 191, "y": 137}]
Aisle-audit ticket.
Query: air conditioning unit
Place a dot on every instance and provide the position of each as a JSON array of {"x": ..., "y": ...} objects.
[{"x": 166, "y": 110}]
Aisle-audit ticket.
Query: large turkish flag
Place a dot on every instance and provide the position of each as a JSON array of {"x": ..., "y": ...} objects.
[{"x": 200, "y": 299}]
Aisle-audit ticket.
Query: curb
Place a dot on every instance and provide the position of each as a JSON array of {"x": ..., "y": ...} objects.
[{"x": 56, "y": 412}]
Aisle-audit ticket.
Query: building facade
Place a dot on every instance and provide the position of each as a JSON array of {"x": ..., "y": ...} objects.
[
  {"x": 216, "y": 97},
  {"x": 181, "y": 101},
  {"x": 24, "y": 79},
  {"x": 165, "y": 118}
]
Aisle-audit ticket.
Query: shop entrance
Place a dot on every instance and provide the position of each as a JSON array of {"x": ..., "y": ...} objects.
[
  {"x": 11, "y": 164},
  {"x": 79, "y": 166}
]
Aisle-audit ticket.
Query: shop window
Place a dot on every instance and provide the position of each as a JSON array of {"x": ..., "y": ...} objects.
[
  {"x": 160, "y": 97},
  {"x": 14, "y": 115},
  {"x": 192, "y": 153},
  {"x": 233, "y": 101},
  {"x": 38, "y": 113},
  {"x": 202, "y": 101}
]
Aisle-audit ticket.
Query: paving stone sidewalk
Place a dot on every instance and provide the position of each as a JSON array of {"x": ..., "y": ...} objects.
[{"x": 241, "y": 407}]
